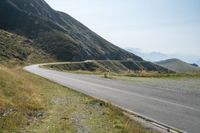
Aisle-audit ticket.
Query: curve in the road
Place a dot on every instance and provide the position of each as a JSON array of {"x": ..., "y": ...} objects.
[{"x": 177, "y": 108}]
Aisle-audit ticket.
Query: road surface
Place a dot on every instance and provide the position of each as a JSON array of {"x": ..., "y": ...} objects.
[{"x": 175, "y": 107}]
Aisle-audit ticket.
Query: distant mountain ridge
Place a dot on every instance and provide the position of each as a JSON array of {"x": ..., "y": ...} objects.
[
  {"x": 198, "y": 62},
  {"x": 178, "y": 66},
  {"x": 158, "y": 56},
  {"x": 57, "y": 33},
  {"x": 152, "y": 56}
]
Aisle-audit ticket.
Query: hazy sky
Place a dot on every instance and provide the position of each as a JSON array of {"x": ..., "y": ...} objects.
[{"x": 168, "y": 26}]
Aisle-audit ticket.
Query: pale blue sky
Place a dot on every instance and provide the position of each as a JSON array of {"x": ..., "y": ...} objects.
[{"x": 168, "y": 26}]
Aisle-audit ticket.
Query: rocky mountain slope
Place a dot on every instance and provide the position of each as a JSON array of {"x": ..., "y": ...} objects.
[
  {"x": 54, "y": 35},
  {"x": 18, "y": 50},
  {"x": 56, "y": 32}
]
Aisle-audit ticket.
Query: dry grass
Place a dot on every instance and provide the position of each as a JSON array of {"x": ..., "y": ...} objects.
[
  {"x": 19, "y": 101},
  {"x": 29, "y": 103}
]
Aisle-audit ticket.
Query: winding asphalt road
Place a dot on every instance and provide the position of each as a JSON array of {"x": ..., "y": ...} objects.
[{"x": 177, "y": 108}]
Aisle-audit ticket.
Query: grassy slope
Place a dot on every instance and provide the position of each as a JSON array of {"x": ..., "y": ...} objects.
[
  {"x": 178, "y": 66},
  {"x": 29, "y": 103},
  {"x": 109, "y": 65},
  {"x": 116, "y": 69},
  {"x": 18, "y": 49}
]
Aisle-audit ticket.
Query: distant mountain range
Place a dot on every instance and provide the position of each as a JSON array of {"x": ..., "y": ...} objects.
[
  {"x": 177, "y": 65},
  {"x": 152, "y": 56},
  {"x": 157, "y": 56},
  {"x": 198, "y": 62}
]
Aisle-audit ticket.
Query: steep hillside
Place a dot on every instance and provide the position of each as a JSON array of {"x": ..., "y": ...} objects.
[
  {"x": 57, "y": 33},
  {"x": 178, "y": 66},
  {"x": 17, "y": 49}
]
